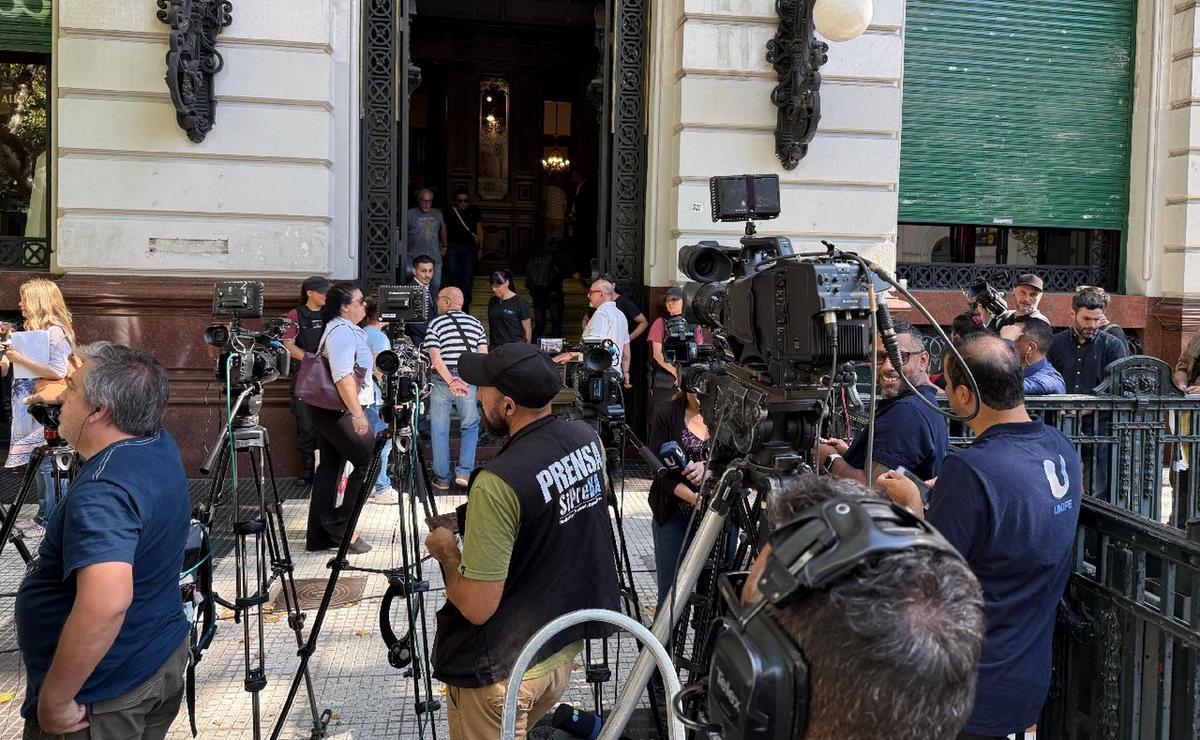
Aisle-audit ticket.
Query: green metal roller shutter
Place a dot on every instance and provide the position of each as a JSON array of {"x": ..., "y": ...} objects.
[
  {"x": 26, "y": 25},
  {"x": 1017, "y": 110}
]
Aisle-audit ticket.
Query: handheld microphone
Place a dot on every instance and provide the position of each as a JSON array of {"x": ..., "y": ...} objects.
[
  {"x": 887, "y": 333},
  {"x": 673, "y": 457},
  {"x": 577, "y": 722}
]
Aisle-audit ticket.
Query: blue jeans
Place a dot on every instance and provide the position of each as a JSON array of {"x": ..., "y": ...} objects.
[
  {"x": 669, "y": 541},
  {"x": 45, "y": 490},
  {"x": 378, "y": 425},
  {"x": 440, "y": 402}
]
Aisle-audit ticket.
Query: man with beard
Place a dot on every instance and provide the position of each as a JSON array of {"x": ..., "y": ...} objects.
[
  {"x": 1028, "y": 294},
  {"x": 908, "y": 433},
  {"x": 1082, "y": 352},
  {"x": 537, "y": 545}
]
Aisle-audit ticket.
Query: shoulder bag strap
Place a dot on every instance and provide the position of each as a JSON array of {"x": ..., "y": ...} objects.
[
  {"x": 461, "y": 221},
  {"x": 461, "y": 333}
]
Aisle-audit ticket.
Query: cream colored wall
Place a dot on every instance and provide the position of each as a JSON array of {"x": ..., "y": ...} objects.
[
  {"x": 1163, "y": 247},
  {"x": 272, "y": 191},
  {"x": 710, "y": 114}
]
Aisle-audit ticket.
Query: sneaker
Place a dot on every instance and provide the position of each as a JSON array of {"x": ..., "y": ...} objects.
[
  {"x": 358, "y": 547},
  {"x": 386, "y": 496},
  {"x": 442, "y": 485},
  {"x": 461, "y": 481}
]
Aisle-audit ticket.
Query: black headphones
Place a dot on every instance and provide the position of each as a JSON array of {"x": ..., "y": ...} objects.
[{"x": 758, "y": 680}]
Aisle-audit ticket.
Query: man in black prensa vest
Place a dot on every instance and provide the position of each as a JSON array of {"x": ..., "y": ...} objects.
[
  {"x": 303, "y": 337},
  {"x": 536, "y": 545}
]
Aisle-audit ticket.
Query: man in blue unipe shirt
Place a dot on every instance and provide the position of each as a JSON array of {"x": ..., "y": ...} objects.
[
  {"x": 1010, "y": 504},
  {"x": 908, "y": 432},
  {"x": 99, "y": 618}
]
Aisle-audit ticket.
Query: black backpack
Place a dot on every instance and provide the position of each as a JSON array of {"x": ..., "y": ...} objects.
[
  {"x": 199, "y": 603},
  {"x": 543, "y": 272}
]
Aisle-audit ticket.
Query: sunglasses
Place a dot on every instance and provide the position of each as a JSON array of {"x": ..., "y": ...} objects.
[{"x": 904, "y": 357}]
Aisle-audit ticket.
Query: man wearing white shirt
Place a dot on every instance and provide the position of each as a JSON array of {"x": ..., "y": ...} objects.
[{"x": 607, "y": 323}]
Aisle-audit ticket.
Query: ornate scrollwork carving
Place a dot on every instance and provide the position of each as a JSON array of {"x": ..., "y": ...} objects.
[
  {"x": 797, "y": 57},
  {"x": 193, "y": 59}
]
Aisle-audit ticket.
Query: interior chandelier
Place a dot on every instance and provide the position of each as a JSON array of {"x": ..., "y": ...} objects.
[{"x": 556, "y": 161}]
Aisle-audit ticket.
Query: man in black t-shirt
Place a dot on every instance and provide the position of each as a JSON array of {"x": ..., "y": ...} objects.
[{"x": 465, "y": 228}]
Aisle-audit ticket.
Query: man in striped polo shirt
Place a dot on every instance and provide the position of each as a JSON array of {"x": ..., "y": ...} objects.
[{"x": 449, "y": 335}]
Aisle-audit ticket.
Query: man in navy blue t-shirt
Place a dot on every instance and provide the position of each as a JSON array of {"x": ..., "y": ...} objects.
[
  {"x": 908, "y": 432},
  {"x": 1010, "y": 504},
  {"x": 99, "y": 618}
]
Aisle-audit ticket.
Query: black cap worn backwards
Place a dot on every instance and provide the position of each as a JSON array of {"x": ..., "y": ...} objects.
[{"x": 518, "y": 370}]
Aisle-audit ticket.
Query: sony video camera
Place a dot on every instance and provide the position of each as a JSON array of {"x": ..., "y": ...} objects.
[
  {"x": 256, "y": 356},
  {"x": 784, "y": 316}
]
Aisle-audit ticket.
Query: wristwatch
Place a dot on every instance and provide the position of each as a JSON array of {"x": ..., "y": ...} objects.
[{"x": 829, "y": 462}]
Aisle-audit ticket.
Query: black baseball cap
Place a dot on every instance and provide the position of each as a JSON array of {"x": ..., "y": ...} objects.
[
  {"x": 317, "y": 283},
  {"x": 518, "y": 370},
  {"x": 1031, "y": 280},
  {"x": 674, "y": 294}
]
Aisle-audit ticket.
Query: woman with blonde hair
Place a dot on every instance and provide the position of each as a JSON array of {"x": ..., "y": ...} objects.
[{"x": 44, "y": 309}]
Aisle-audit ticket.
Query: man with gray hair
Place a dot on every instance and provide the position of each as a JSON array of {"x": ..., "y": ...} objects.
[
  {"x": 99, "y": 619},
  {"x": 427, "y": 236},
  {"x": 606, "y": 323}
]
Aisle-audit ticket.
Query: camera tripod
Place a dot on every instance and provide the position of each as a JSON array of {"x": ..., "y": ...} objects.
[
  {"x": 261, "y": 545},
  {"x": 63, "y": 465},
  {"x": 408, "y": 580}
]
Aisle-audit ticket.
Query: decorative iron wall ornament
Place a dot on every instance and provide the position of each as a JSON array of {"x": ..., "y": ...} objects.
[
  {"x": 193, "y": 59},
  {"x": 380, "y": 144},
  {"x": 954, "y": 275},
  {"x": 797, "y": 57},
  {"x": 627, "y": 231}
]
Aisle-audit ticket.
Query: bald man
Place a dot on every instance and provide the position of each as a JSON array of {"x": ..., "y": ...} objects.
[
  {"x": 449, "y": 336},
  {"x": 1010, "y": 504},
  {"x": 606, "y": 323}
]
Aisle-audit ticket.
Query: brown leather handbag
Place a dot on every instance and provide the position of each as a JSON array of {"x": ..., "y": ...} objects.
[{"x": 314, "y": 382}]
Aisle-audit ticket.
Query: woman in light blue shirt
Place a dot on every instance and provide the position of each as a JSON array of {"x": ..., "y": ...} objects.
[{"x": 345, "y": 435}]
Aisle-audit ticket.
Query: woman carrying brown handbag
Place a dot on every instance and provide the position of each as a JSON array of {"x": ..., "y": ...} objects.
[
  {"x": 44, "y": 309},
  {"x": 343, "y": 435}
]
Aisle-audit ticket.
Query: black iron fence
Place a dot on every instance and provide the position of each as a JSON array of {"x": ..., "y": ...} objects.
[
  {"x": 1127, "y": 649},
  {"x": 24, "y": 253},
  {"x": 958, "y": 275}
]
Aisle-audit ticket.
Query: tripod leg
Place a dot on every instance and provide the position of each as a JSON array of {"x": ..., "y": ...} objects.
[
  {"x": 14, "y": 510},
  {"x": 337, "y": 565},
  {"x": 283, "y": 567}
]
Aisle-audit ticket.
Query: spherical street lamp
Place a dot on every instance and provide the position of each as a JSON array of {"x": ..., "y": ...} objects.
[{"x": 842, "y": 20}]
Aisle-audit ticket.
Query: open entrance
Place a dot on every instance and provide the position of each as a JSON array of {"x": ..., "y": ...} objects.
[{"x": 507, "y": 118}]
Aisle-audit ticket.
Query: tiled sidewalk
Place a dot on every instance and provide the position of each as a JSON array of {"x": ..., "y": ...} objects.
[{"x": 368, "y": 698}]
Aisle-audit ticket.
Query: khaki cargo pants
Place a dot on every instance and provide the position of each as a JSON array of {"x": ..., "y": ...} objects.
[
  {"x": 476, "y": 714},
  {"x": 144, "y": 713}
]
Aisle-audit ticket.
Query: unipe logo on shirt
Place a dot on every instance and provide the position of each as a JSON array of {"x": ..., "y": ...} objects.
[{"x": 1059, "y": 482}]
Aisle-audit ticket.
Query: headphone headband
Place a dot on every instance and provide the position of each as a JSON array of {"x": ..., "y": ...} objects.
[{"x": 821, "y": 544}]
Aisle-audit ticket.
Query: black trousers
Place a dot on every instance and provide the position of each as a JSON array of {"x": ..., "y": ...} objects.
[
  {"x": 305, "y": 441},
  {"x": 337, "y": 443},
  {"x": 544, "y": 301}
]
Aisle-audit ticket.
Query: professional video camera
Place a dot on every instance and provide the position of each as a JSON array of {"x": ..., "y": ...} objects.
[
  {"x": 981, "y": 293},
  {"x": 784, "y": 316},
  {"x": 256, "y": 356},
  {"x": 784, "y": 326}
]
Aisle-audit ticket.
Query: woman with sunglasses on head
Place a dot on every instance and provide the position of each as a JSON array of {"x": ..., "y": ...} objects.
[
  {"x": 509, "y": 317},
  {"x": 343, "y": 435},
  {"x": 465, "y": 228}
]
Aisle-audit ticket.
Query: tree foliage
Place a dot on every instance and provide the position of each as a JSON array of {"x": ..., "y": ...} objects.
[{"x": 23, "y": 131}]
